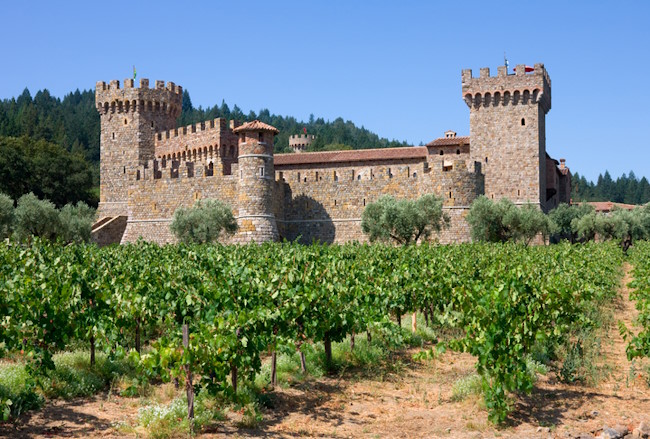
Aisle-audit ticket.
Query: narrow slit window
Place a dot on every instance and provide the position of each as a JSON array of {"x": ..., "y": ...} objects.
[
  {"x": 364, "y": 201},
  {"x": 261, "y": 171}
]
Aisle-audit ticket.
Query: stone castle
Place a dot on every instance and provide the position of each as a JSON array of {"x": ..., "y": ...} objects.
[{"x": 149, "y": 168}]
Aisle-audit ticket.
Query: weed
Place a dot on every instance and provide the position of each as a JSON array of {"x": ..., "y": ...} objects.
[{"x": 465, "y": 387}]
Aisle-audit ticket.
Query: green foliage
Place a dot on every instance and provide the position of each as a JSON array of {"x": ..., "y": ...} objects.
[
  {"x": 36, "y": 218},
  {"x": 241, "y": 302},
  {"x": 639, "y": 344},
  {"x": 336, "y": 147},
  {"x": 204, "y": 222},
  {"x": 76, "y": 222},
  {"x": 625, "y": 189},
  {"x": 46, "y": 169},
  {"x": 6, "y": 216},
  {"x": 17, "y": 392},
  {"x": 565, "y": 218},
  {"x": 504, "y": 221},
  {"x": 404, "y": 221}
]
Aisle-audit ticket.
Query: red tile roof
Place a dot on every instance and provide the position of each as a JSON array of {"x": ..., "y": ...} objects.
[
  {"x": 255, "y": 125},
  {"x": 449, "y": 141},
  {"x": 358, "y": 155},
  {"x": 607, "y": 206}
]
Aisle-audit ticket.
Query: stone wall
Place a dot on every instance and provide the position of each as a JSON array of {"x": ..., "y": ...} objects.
[
  {"x": 153, "y": 201},
  {"x": 326, "y": 203}
]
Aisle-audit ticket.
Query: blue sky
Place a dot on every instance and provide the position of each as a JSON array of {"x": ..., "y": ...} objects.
[{"x": 393, "y": 67}]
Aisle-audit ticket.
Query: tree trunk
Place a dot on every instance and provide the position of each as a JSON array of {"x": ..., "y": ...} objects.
[
  {"x": 328, "y": 351},
  {"x": 92, "y": 349},
  {"x": 369, "y": 335},
  {"x": 426, "y": 318},
  {"x": 399, "y": 318},
  {"x": 233, "y": 377},
  {"x": 137, "y": 335},
  {"x": 352, "y": 341},
  {"x": 414, "y": 323},
  {"x": 189, "y": 387},
  {"x": 274, "y": 363},
  {"x": 303, "y": 362}
]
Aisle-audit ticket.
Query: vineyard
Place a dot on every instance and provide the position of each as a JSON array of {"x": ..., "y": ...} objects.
[{"x": 242, "y": 304}]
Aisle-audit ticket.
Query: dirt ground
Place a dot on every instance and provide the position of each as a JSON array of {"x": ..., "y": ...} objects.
[{"x": 413, "y": 403}]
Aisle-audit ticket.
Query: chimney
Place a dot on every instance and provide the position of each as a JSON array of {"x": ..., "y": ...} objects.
[{"x": 562, "y": 164}]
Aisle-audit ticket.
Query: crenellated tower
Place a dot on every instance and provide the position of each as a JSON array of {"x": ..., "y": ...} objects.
[
  {"x": 256, "y": 220},
  {"x": 508, "y": 130},
  {"x": 300, "y": 142},
  {"x": 130, "y": 117}
]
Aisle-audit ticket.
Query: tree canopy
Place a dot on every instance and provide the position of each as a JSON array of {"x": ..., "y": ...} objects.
[
  {"x": 204, "y": 222},
  {"x": 403, "y": 221}
]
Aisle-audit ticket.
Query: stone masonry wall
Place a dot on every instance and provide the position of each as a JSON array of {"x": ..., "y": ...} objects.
[
  {"x": 326, "y": 203},
  {"x": 153, "y": 201}
]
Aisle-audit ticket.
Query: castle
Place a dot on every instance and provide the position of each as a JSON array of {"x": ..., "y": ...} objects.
[{"x": 149, "y": 168}]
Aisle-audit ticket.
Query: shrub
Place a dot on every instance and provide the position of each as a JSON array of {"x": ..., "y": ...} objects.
[
  {"x": 36, "y": 217},
  {"x": 76, "y": 222},
  {"x": 504, "y": 221},
  {"x": 6, "y": 215},
  {"x": 204, "y": 222},
  {"x": 403, "y": 221}
]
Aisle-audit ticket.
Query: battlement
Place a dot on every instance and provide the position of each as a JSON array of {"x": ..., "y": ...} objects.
[
  {"x": 218, "y": 124},
  {"x": 507, "y": 89},
  {"x": 174, "y": 169},
  {"x": 144, "y": 85},
  {"x": 301, "y": 138},
  {"x": 165, "y": 98}
]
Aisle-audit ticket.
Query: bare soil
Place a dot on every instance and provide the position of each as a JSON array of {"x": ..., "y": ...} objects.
[{"x": 414, "y": 402}]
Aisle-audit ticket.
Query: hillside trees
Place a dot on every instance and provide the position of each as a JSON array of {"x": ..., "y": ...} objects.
[{"x": 44, "y": 168}]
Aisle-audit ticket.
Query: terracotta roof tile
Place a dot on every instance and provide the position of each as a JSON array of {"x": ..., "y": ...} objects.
[
  {"x": 255, "y": 125},
  {"x": 607, "y": 206},
  {"x": 449, "y": 141},
  {"x": 358, "y": 155}
]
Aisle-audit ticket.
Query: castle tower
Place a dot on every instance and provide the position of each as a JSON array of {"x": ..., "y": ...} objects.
[
  {"x": 130, "y": 117},
  {"x": 300, "y": 142},
  {"x": 508, "y": 130},
  {"x": 256, "y": 180}
]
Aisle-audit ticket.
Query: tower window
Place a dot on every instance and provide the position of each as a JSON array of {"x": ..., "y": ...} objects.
[
  {"x": 523, "y": 121},
  {"x": 449, "y": 194},
  {"x": 261, "y": 136},
  {"x": 442, "y": 152},
  {"x": 152, "y": 124},
  {"x": 364, "y": 201},
  {"x": 485, "y": 159},
  {"x": 113, "y": 136},
  {"x": 457, "y": 151},
  {"x": 124, "y": 121},
  {"x": 124, "y": 169},
  {"x": 261, "y": 171}
]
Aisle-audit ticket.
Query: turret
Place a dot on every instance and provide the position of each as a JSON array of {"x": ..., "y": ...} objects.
[
  {"x": 130, "y": 117},
  {"x": 300, "y": 142},
  {"x": 256, "y": 174},
  {"x": 508, "y": 130}
]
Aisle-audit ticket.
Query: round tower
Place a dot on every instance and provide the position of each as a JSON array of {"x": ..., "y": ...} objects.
[
  {"x": 256, "y": 220},
  {"x": 130, "y": 118},
  {"x": 300, "y": 142}
]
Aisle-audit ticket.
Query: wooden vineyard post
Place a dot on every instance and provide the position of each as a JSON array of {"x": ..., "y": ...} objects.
[
  {"x": 189, "y": 388},
  {"x": 274, "y": 363},
  {"x": 414, "y": 323},
  {"x": 352, "y": 341}
]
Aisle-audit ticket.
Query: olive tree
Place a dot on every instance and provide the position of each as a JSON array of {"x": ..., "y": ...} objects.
[
  {"x": 204, "y": 222},
  {"x": 76, "y": 222},
  {"x": 403, "y": 221},
  {"x": 36, "y": 217},
  {"x": 504, "y": 221},
  {"x": 6, "y": 215}
]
